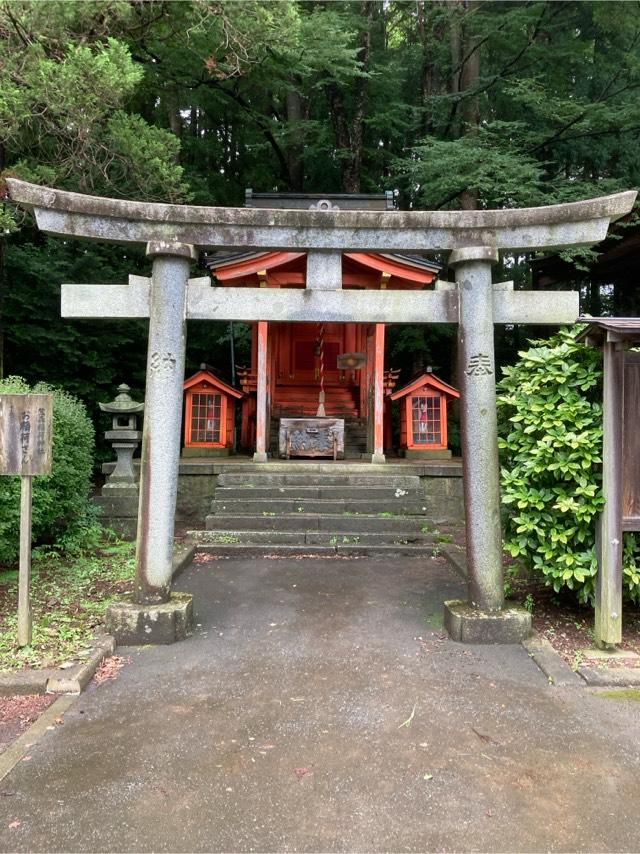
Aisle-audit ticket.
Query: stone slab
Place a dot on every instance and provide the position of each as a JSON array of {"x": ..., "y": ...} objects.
[
  {"x": 24, "y": 744},
  {"x": 455, "y": 555},
  {"x": 470, "y": 625},
  {"x": 552, "y": 664},
  {"x": 204, "y": 452},
  {"x": 595, "y": 654},
  {"x": 610, "y": 677},
  {"x": 248, "y": 505},
  {"x": 182, "y": 557},
  {"x": 134, "y": 625},
  {"x": 412, "y": 454},
  {"x": 23, "y": 682},
  {"x": 328, "y": 492},
  {"x": 75, "y": 679}
]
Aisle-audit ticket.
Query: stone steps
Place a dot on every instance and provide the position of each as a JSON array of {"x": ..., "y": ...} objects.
[
  {"x": 317, "y": 538},
  {"x": 320, "y": 508},
  {"x": 251, "y": 549},
  {"x": 379, "y": 507},
  {"x": 251, "y": 479},
  {"x": 296, "y": 492},
  {"x": 335, "y": 523}
]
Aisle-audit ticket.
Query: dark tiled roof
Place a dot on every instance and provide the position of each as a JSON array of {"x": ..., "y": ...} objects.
[{"x": 603, "y": 329}]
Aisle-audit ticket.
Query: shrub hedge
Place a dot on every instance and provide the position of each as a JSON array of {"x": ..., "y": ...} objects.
[
  {"x": 550, "y": 436},
  {"x": 63, "y": 515}
]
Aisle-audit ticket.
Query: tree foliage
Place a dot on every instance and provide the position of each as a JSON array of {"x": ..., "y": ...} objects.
[{"x": 457, "y": 104}]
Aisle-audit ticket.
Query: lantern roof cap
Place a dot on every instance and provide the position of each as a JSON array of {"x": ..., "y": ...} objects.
[
  {"x": 425, "y": 379},
  {"x": 123, "y": 403}
]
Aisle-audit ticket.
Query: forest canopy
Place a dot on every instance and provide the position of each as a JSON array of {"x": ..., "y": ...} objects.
[{"x": 460, "y": 104}]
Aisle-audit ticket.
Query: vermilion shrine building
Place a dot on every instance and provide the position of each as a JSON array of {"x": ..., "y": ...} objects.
[{"x": 299, "y": 360}]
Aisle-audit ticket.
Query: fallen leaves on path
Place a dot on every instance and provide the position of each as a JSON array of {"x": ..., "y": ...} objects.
[
  {"x": 18, "y": 713},
  {"x": 486, "y": 738},
  {"x": 110, "y": 668},
  {"x": 302, "y": 772}
]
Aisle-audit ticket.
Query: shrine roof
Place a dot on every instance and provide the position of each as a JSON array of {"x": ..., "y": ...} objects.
[
  {"x": 207, "y": 376},
  {"x": 222, "y": 259},
  {"x": 323, "y": 201},
  {"x": 287, "y": 269},
  {"x": 603, "y": 329},
  {"x": 424, "y": 379}
]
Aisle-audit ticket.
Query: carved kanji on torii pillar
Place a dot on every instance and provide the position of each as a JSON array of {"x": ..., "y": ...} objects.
[{"x": 473, "y": 239}]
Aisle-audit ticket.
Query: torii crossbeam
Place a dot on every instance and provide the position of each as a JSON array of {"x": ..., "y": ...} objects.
[{"x": 173, "y": 234}]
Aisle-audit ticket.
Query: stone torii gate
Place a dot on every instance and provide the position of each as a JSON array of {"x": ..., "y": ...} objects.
[{"x": 174, "y": 233}]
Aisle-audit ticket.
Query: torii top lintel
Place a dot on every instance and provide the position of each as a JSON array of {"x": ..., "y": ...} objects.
[{"x": 123, "y": 221}]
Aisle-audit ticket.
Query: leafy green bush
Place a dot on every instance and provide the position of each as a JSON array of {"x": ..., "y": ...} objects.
[
  {"x": 550, "y": 425},
  {"x": 63, "y": 515}
]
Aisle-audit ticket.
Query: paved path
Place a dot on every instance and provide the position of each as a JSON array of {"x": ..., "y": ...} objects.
[{"x": 279, "y": 727}]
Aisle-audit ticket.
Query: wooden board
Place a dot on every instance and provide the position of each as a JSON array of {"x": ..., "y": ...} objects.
[
  {"x": 311, "y": 437},
  {"x": 26, "y": 430},
  {"x": 631, "y": 443}
]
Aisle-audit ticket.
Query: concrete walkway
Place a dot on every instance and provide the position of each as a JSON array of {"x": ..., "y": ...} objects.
[{"x": 318, "y": 708}]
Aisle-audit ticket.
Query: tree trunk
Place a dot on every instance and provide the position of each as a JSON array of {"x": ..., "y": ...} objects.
[
  {"x": 465, "y": 61},
  {"x": 296, "y": 113},
  {"x": 349, "y": 131}
]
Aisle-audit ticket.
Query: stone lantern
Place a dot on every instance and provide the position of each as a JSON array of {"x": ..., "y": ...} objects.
[{"x": 124, "y": 437}]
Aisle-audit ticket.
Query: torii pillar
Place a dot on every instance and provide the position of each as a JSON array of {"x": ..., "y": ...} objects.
[
  {"x": 473, "y": 239},
  {"x": 479, "y": 426}
]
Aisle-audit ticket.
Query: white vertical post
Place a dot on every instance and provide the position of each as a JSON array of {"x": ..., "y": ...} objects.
[
  {"x": 608, "y": 604},
  {"x": 24, "y": 576}
]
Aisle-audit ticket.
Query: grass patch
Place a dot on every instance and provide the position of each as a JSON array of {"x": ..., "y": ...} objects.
[
  {"x": 69, "y": 596},
  {"x": 222, "y": 539},
  {"x": 632, "y": 694}
]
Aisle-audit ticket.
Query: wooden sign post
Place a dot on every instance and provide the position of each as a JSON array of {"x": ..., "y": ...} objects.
[
  {"x": 26, "y": 430},
  {"x": 620, "y": 464}
]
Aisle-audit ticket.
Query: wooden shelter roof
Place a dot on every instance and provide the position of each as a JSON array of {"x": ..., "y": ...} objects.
[{"x": 603, "y": 329}]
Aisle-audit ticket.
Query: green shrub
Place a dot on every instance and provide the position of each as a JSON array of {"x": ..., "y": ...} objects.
[
  {"x": 63, "y": 515},
  {"x": 550, "y": 425}
]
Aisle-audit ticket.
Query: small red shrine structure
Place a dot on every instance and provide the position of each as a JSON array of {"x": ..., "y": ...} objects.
[
  {"x": 295, "y": 365},
  {"x": 423, "y": 416},
  {"x": 210, "y": 411}
]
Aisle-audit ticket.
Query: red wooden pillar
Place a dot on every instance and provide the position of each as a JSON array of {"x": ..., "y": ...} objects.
[
  {"x": 377, "y": 379},
  {"x": 260, "y": 455}
]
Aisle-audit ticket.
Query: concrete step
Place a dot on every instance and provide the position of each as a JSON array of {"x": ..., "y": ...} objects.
[
  {"x": 376, "y": 506},
  {"x": 307, "y": 522},
  {"x": 316, "y": 538},
  {"x": 364, "y": 493},
  {"x": 291, "y": 550},
  {"x": 306, "y": 478}
]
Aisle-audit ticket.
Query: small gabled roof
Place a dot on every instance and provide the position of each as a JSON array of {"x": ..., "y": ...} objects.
[
  {"x": 251, "y": 262},
  {"x": 427, "y": 378},
  {"x": 601, "y": 329},
  {"x": 206, "y": 376}
]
